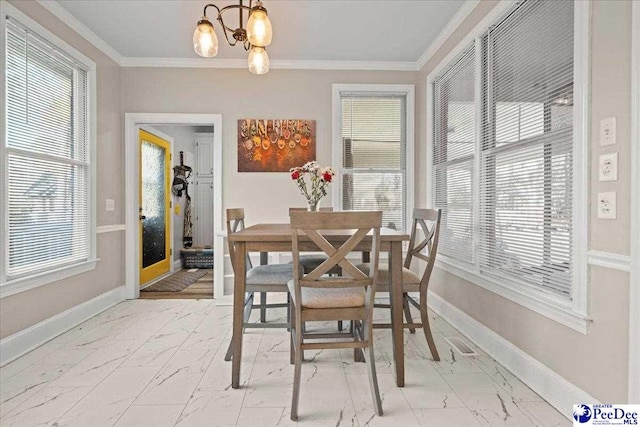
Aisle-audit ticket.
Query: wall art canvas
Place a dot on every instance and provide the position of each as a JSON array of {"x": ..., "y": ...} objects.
[{"x": 275, "y": 145}]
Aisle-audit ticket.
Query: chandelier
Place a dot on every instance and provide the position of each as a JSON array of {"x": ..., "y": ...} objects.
[{"x": 254, "y": 37}]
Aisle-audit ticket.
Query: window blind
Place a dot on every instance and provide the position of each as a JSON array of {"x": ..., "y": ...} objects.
[
  {"x": 374, "y": 139},
  {"x": 454, "y": 136},
  {"x": 47, "y": 146},
  {"x": 526, "y": 148}
]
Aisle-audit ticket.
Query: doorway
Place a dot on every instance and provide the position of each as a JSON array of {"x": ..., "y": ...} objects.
[{"x": 209, "y": 235}]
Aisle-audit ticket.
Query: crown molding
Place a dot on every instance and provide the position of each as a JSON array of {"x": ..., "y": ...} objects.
[
  {"x": 285, "y": 64},
  {"x": 446, "y": 32},
  {"x": 282, "y": 64},
  {"x": 62, "y": 14}
]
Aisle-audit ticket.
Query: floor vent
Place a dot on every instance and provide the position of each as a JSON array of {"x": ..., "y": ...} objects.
[{"x": 461, "y": 346}]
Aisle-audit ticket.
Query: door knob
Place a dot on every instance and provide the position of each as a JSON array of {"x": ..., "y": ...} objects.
[{"x": 142, "y": 217}]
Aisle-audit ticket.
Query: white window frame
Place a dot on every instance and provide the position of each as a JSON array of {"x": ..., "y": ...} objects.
[
  {"x": 369, "y": 89},
  {"x": 12, "y": 287},
  {"x": 574, "y": 313}
]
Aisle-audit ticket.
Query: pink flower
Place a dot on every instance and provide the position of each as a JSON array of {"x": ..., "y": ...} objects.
[
  {"x": 295, "y": 175},
  {"x": 326, "y": 177}
]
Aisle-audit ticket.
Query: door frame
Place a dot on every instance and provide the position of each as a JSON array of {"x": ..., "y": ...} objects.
[{"x": 133, "y": 121}]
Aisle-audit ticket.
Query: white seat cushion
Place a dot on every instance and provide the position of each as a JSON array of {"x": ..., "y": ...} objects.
[
  {"x": 330, "y": 297},
  {"x": 270, "y": 274},
  {"x": 408, "y": 276}
]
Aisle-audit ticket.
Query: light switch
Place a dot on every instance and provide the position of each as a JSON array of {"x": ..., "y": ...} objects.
[
  {"x": 110, "y": 205},
  {"x": 607, "y": 205},
  {"x": 608, "y": 167},
  {"x": 608, "y": 131}
]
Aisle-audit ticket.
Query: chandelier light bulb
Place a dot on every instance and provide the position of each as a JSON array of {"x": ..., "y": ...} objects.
[
  {"x": 205, "y": 41},
  {"x": 258, "y": 60},
  {"x": 259, "y": 30}
]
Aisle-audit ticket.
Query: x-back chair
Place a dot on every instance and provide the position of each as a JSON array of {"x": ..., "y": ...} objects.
[
  {"x": 318, "y": 297},
  {"x": 425, "y": 249},
  {"x": 263, "y": 278}
]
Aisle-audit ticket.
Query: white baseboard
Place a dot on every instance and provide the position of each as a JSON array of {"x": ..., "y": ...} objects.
[
  {"x": 177, "y": 265},
  {"x": 552, "y": 387},
  {"x": 34, "y": 336}
]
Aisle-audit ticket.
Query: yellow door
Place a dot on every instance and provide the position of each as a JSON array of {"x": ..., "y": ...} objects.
[{"x": 155, "y": 257}]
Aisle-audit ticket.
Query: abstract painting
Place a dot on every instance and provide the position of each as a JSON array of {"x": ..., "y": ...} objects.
[{"x": 275, "y": 145}]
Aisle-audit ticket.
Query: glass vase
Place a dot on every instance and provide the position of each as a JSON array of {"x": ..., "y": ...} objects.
[{"x": 312, "y": 205}]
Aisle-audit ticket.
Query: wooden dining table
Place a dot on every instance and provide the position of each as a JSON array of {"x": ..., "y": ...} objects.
[{"x": 277, "y": 238}]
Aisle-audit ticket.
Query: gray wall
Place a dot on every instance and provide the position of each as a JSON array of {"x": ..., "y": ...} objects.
[{"x": 603, "y": 353}]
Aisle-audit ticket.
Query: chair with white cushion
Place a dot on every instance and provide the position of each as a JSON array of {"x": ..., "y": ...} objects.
[
  {"x": 426, "y": 249},
  {"x": 262, "y": 278},
  {"x": 318, "y": 297}
]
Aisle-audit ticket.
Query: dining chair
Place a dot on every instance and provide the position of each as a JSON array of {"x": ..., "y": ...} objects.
[
  {"x": 314, "y": 296},
  {"x": 426, "y": 250},
  {"x": 311, "y": 261},
  {"x": 262, "y": 278}
]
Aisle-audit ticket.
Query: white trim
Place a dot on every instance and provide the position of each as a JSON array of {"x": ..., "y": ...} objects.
[
  {"x": 43, "y": 278},
  {"x": 634, "y": 284},
  {"x": 132, "y": 122},
  {"x": 540, "y": 302},
  {"x": 574, "y": 315},
  {"x": 552, "y": 387},
  {"x": 336, "y": 153},
  {"x": 177, "y": 264},
  {"x": 462, "y": 13},
  {"x": 34, "y": 336},
  {"x": 581, "y": 153},
  {"x": 281, "y": 64},
  {"x": 63, "y": 14},
  {"x": 110, "y": 228},
  {"x": 609, "y": 260}
]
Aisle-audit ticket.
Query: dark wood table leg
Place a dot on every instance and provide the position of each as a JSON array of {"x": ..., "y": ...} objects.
[
  {"x": 238, "y": 305},
  {"x": 395, "y": 266}
]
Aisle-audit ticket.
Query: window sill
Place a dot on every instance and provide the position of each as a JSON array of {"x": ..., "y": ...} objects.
[
  {"x": 30, "y": 282},
  {"x": 540, "y": 302}
]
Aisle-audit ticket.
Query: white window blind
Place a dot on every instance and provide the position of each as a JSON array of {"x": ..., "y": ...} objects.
[
  {"x": 47, "y": 156},
  {"x": 518, "y": 228},
  {"x": 526, "y": 175},
  {"x": 454, "y": 136},
  {"x": 374, "y": 155}
]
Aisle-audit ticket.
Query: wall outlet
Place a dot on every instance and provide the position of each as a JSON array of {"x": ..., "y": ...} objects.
[
  {"x": 608, "y": 167},
  {"x": 607, "y": 205},
  {"x": 110, "y": 205},
  {"x": 608, "y": 131}
]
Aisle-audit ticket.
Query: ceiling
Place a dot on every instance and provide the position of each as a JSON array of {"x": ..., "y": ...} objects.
[{"x": 310, "y": 30}]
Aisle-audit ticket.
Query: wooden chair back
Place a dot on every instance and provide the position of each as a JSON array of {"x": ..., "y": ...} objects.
[
  {"x": 317, "y": 227},
  {"x": 426, "y": 249},
  {"x": 235, "y": 223}
]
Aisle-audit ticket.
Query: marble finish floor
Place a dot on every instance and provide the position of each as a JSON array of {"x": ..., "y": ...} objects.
[{"x": 155, "y": 363}]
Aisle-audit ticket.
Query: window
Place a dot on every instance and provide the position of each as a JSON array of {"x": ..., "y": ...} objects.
[
  {"x": 371, "y": 151},
  {"x": 503, "y": 146},
  {"x": 47, "y": 153}
]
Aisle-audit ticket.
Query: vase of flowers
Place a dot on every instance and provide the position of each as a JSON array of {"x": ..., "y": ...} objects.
[{"x": 319, "y": 177}]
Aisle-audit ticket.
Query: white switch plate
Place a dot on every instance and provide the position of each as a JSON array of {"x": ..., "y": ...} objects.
[
  {"x": 608, "y": 131},
  {"x": 607, "y": 205},
  {"x": 608, "y": 167},
  {"x": 110, "y": 205}
]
